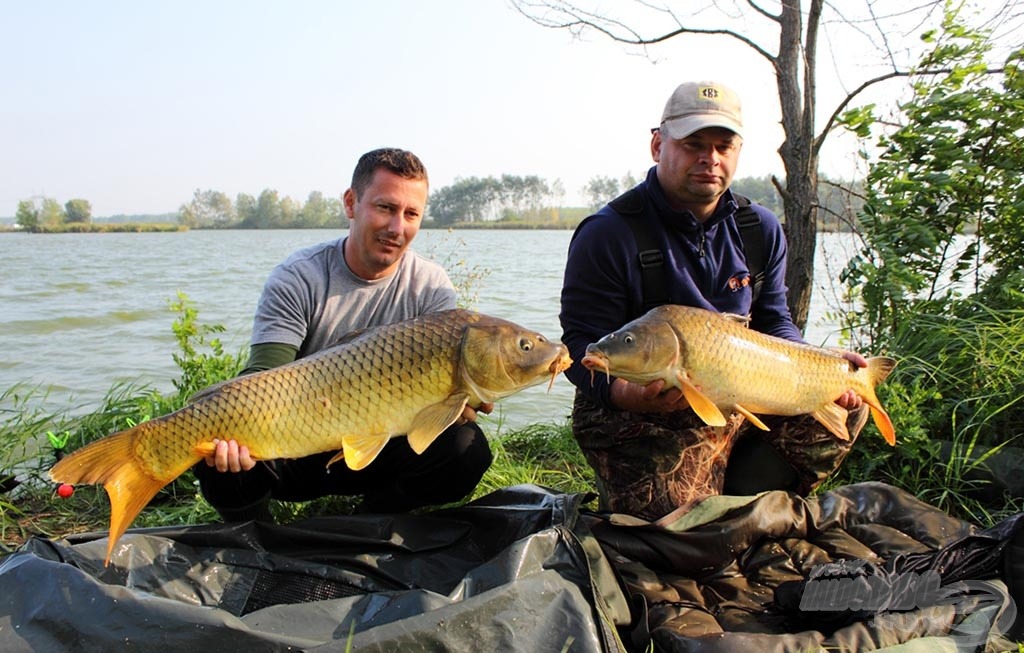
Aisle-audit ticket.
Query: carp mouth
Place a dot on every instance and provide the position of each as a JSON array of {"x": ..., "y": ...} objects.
[
  {"x": 596, "y": 361},
  {"x": 559, "y": 365}
]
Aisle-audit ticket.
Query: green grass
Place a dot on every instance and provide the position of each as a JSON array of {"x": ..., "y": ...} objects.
[{"x": 956, "y": 403}]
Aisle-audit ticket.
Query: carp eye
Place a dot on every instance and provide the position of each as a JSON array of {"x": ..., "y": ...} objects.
[
  {"x": 525, "y": 344},
  {"x": 628, "y": 338}
]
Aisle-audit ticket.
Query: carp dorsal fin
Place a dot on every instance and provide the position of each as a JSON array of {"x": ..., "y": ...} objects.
[
  {"x": 433, "y": 420},
  {"x": 751, "y": 417},
  {"x": 833, "y": 417},
  {"x": 737, "y": 318},
  {"x": 360, "y": 450},
  {"x": 699, "y": 402}
]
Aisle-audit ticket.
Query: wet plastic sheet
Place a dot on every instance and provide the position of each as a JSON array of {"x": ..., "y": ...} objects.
[
  {"x": 515, "y": 571},
  {"x": 866, "y": 567},
  {"x": 524, "y": 570}
]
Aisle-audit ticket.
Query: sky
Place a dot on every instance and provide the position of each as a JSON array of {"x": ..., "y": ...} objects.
[{"x": 135, "y": 105}]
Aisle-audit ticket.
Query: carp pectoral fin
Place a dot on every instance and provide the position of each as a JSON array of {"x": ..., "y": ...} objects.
[
  {"x": 704, "y": 407},
  {"x": 433, "y": 420},
  {"x": 751, "y": 417},
  {"x": 833, "y": 417},
  {"x": 360, "y": 450}
]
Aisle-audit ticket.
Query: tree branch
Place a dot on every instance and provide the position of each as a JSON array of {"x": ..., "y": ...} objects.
[
  {"x": 578, "y": 20},
  {"x": 819, "y": 140}
]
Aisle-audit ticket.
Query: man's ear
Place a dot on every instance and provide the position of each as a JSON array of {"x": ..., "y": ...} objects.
[
  {"x": 656, "y": 145},
  {"x": 348, "y": 198}
]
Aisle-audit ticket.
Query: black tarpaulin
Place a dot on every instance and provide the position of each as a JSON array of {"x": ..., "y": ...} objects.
[
  {"x": 515, "y": 571},
  {"x": 865, "y": 567},
  {"x": 523, "y": 569}
]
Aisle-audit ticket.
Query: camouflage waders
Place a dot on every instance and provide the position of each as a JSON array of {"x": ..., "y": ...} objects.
[{"x": 650, "y": 464}]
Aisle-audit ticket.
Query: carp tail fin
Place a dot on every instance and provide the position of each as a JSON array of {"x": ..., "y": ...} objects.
[
  {"x": 879, "y": 368},
  {"x": 112, "y": 462}
]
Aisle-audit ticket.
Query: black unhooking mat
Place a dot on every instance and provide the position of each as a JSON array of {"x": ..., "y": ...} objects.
[{"x": 865, "y": 567}]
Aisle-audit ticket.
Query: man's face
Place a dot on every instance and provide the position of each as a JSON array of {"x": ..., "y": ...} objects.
[
  {"x": 382, "y": 222},
  {"x": 696, "y": 170}
]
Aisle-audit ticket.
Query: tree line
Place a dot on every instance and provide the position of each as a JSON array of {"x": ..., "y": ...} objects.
[
  {"x": 468, "y": 201},
  {"x": 50, "y": 214}
]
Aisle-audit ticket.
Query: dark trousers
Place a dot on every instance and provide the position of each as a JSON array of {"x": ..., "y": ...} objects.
[
  {"x": 653, "y": 464},
  {"x": 398, "y": 480}
]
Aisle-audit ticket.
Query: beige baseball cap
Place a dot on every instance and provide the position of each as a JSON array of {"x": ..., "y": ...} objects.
[{"x": 696, "y": 105}]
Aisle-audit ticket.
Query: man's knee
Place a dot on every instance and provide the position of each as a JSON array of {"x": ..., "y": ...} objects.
[{"x": 471, "y": 458}]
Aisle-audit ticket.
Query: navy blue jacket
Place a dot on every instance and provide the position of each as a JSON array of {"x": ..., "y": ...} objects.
[{"x": 603, "y": 287}]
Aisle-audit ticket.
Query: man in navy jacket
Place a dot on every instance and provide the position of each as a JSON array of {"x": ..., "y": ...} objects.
[{"x": 651, "y": 453}]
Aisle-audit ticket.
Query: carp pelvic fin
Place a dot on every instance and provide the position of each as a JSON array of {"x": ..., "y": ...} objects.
[
  {"x": 433, "y": 420},
  {"x": 112, "y": 462},
  {"x": 751, "y": 417},
  {"x": 359, "y": 450},
  {"x": 704, "y": 407}
]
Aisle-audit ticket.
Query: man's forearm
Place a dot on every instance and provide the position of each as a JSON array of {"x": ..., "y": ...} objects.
[{"x": 267, "y": 356}]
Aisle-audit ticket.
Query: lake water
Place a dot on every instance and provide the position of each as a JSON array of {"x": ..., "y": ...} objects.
[{"x": 81, "y": 312}]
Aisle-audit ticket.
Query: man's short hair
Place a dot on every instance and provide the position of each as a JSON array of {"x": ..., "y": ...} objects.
[{"x": 401, "y": 162}]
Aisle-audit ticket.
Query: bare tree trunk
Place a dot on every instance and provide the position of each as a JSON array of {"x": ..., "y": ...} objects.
[{"x": 795, "y": 69}]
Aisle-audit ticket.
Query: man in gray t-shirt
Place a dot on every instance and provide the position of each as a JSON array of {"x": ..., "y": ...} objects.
[{"x": 316, "y": 297}]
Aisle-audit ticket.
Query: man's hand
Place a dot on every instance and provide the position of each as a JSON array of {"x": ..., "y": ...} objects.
[
  {"x": 650, "y": 398},
  {"x": 229, "y": 457},
  {"x": 850, "y": 400},
  {"x": 469, "y": 414}
]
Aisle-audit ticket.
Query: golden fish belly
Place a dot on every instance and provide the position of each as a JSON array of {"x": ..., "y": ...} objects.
[
  {"x": 766, "y": 376},
  {"x": 308, "y": 407}
]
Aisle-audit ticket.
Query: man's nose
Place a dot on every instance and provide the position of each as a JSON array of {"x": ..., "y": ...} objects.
[{"x": 395, "y": 223}]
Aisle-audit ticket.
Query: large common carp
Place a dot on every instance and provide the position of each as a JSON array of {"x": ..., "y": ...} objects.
[
  {"x": 721, "y": 366},
  {"x": 410, "y": 378}
]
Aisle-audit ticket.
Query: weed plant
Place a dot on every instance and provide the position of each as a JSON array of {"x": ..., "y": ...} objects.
[{"x": 957, "y": 403}]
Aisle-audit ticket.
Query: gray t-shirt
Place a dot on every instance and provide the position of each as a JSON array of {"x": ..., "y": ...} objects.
[{"x": 312, "y": 299}]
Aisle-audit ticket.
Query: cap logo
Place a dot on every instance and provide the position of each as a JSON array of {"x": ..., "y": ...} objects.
[{"x": 708, "y": 93}]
